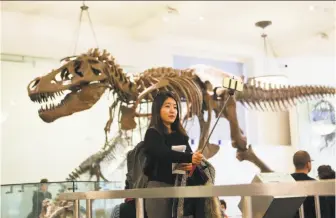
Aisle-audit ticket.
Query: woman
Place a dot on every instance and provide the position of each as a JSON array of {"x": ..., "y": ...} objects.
[{"x": 165, "y": 130}]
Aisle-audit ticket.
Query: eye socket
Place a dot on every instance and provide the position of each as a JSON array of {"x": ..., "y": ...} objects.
[
  {"x": 77, "y": 65},
  {"x": 64, "y": 72},
  {"x": 66, "y": 75},
  {"x": 95, "y": 71}
]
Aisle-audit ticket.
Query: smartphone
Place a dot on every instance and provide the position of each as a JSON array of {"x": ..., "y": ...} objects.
[{"x": 231, "y": 83}]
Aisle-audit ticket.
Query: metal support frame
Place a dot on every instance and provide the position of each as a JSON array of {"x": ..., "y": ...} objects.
[
  {"x": 88, "y": 208},
  {"x": 301, "y": 212},
  {"x": 139, "y": 205},
  {"x": 76, "y": 209},
  {"x": 297, "y": 189},
  {"x": 317, "y": 206}
]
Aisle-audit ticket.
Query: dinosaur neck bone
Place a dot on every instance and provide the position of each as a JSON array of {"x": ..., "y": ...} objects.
[{"x": 122, "y": 85}]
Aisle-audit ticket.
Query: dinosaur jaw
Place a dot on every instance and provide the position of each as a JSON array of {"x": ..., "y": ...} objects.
[
  {"x": 51, "y": 110},
  {"x": 55, "y": 105}
]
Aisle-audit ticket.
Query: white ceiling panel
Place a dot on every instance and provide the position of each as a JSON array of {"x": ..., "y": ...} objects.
[
  {"x": 216, "y": 21},
  {"x": 114, "y": 13},
  {"x": 292, "y": 21}
]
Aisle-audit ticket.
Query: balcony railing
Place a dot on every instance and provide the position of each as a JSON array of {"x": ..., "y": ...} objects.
[{"x": 294, "y": 189}]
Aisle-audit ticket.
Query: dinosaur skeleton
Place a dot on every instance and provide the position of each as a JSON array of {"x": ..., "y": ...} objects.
[{"x": 82, "y": 80}]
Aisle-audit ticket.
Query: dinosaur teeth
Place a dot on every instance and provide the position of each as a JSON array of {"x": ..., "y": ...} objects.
[{"x": 51, "y": 101}]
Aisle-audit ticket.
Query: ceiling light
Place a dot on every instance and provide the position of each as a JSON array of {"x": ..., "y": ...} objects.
[
  {"x": 201, "y": 18},
  {"x": 312, "y": 7}
]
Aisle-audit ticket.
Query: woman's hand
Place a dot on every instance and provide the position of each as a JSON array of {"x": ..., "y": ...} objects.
[
  {"x": 197, "y": 158},
  {"x": 185, "y": 167}
]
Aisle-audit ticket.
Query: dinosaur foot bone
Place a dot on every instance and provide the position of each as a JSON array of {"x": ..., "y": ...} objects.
[
  {"x": 246, "y": 154},
  {"x": 249, "y": 155}
]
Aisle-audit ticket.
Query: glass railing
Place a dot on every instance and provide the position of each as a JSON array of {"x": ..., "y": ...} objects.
[{"x": 25, "y": 200}]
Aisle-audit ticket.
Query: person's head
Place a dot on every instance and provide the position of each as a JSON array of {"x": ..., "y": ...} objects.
[
  {"x": 44, "y": 184},
  {"x": 223, "y": 204},
  {"x": 302, "y": 162},
  {"x": 325, "y": 172},
  {"x": 166, "y": 113}
]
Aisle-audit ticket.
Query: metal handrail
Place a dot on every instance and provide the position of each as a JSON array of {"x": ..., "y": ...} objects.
[
  {"x": 300, "y": 188},
  {"x": 293, "y": 189}
]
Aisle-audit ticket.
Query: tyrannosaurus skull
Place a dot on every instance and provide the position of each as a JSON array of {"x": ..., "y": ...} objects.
[{"x": 76, "y": 86}]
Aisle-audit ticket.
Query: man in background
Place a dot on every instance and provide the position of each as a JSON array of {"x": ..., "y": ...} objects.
[
  {"x": 302, "y": 163},
  {"x": 38, "y": 198}
]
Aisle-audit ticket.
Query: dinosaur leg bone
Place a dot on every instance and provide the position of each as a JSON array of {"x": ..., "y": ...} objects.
[
  {"x": 238, "y": 140},
  {"x": 209, "y": 149},
  {"x": 204, "y": 127},
  {"x": 249, "y": 155},
  {"x": 96, "y": 170},
  {"x": 127, "y": 120},
  {"x": 128, "y": 115}
]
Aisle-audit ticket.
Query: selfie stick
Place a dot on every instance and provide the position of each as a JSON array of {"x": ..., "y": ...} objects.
[{"x": 232, "y": 85}]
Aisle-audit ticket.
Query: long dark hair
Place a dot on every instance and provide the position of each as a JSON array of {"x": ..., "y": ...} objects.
[{"x": 156, "y": 121}]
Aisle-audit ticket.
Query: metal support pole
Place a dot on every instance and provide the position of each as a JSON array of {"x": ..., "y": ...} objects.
[
  {"x": 301, "y": 212},
  {"x": 139, "y": 205},
  {"x": 73, "y": 186},
  {"x": 88, "y": 208},
  {"x": 246, "y": 207},
  {"x": 76, "y": 209},
  {"x": 317, "y": 206}
]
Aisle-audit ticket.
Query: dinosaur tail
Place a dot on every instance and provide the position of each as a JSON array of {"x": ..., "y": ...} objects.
[
  {"x": 75, "y": 174},
  {"x": 112, "y": 153},
  {"x": 281, "y": 98},
  {"x": 86, "y": 165}
]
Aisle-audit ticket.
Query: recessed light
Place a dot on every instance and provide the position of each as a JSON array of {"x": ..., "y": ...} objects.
[
  {"x": 312, "y": 8},
  {"x": 201, "y": 18}
]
